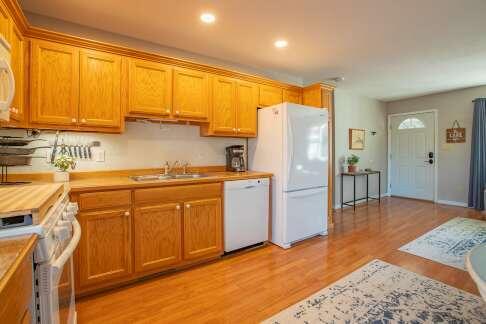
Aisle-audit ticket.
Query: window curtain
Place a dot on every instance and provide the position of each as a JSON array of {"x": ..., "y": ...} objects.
[{"x": 477, "y": 175}]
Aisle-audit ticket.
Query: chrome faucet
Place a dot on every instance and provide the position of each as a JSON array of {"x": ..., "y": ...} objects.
[
  {"x": 170, "y": 169},
  {"x": 185, "y": 165}
]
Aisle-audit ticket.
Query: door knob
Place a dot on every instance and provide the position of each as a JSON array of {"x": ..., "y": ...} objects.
[{"x": 429, "y": 161}]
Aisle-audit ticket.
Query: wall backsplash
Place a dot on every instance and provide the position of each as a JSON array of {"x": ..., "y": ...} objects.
[{"x": 142, "y": 145}]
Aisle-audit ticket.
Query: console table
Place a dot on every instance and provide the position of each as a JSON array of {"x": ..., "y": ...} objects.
[{"x": 367, "y": 197}]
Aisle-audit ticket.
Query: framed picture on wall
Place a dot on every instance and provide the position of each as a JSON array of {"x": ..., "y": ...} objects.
[{"x": 356, "y": 139}]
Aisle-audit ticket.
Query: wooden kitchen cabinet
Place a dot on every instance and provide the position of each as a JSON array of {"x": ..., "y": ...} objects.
[
  {"x": 105, "y": 251},
  {"x": 5, "y": 22},
  {"x": 246, "y": 108},
  {"x": 158, "y": 236},
  {"x": 54, "y": 83},
  {"x": 203, "y": 234},
  {"x": 149, "y": 88},
  {"x": 190, "y": 94},
  {"x": 292, "y": 96},
  {"x": 223, "y": 106},
  {"x": 233, "y": 108},
  {"x": 99, "y": 89},
  {"x": 270, "y": 96},
  {"x": 18, "y": 50}
]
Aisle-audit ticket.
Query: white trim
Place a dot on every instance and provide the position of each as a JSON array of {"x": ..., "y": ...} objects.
[
  {"x": 436, "y": 147},
  {"x": 338, "y": 205},
  {"x": 452, "y": 203}
]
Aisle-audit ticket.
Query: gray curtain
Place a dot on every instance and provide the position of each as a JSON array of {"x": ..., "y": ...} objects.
[{"x": 477, "y": 175}]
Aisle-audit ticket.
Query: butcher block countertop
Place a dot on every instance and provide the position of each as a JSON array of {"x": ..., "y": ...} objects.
[
  {"x": 35, "y": 198},
  {"x": 124, "y": 182},
  {"x": 13, "y": 250}
]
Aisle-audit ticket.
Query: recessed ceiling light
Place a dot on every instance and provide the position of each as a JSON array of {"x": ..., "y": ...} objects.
[
  {"x": 207, "y": 17},
  {"x": 281, "y": 43}
]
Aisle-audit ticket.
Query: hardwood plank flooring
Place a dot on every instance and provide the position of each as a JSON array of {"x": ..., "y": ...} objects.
[{"x": 254, "y": 285}]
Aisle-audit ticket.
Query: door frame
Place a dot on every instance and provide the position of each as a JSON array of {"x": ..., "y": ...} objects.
[{"x": 435, "y": 112}]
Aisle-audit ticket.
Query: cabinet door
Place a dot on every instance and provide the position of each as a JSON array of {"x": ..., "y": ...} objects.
[
  {"x": 5, "y": 22},
  {"x": 54, "y": 83},
  {"x": 191, "y": 98},
  {"x": 247, "y": 101},
  {"x": 149, "y": 88},
  {"x": 270, "y": 96},
  {"x": 18, "y": 51},
  {"x": 105, "y": 247},
  {"x": 292, "y": 96},
  {"x": 223, "y": 106},
  {"x": 158, "y": 236},
  {"x": 99, "y": 90},
  {"x": 202, "y": 228}
]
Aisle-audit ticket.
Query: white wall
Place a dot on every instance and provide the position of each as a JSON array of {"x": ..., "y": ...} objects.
[
  {"x": 142, "y": 145},
  {"x": 355, "y": 111},
  {"x": 453, "y": 159}
]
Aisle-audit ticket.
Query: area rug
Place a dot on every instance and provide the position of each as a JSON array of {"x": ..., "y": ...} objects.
[
  {"x": 449, "y": 243},
  {"x": 383, "y": 293}
]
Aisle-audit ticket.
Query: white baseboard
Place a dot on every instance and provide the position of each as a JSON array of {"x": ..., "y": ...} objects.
[
  {"x": 452, "y": 203},
  {"x": 338, "y": 206}
]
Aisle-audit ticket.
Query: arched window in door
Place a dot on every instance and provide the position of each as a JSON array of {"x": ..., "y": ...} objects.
[{"x": 410, "y": 123}]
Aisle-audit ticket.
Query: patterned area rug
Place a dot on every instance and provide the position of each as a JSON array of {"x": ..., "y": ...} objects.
[
  {"x": 383, "y": 293},
  {"x": 449, "y": 243}
]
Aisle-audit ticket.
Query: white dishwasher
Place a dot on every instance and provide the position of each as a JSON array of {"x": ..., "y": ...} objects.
[{"x": 246, "y": 209}]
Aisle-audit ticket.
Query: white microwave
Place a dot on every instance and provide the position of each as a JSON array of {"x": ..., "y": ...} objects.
[{"x": 7, "y": 80}]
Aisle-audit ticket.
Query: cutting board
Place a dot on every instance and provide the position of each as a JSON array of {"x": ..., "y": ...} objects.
[{"x": 35, "y": 199}]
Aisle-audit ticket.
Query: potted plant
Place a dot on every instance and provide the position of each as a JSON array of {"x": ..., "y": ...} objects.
[
  {"x": 352, "y": 161},
  {"x": 63, "y": 163}
]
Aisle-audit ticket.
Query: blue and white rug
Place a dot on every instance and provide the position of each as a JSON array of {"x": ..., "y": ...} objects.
[
  {"x": 449, "y": 243},
  {"x": 383, "y": 293}
]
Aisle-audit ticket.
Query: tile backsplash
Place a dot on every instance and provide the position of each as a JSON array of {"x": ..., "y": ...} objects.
[{"x": 142, "y": 145}]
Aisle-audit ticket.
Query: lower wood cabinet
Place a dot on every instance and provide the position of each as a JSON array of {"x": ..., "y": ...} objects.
[
  {"x": 158, "y": 236},
  {"x": 105, "y": 248},
  {"x": 202, "y": 228},
  {"x": 171, "y": 227}
]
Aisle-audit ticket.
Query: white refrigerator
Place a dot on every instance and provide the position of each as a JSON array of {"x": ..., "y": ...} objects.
[{"x": 292, "y": 143}]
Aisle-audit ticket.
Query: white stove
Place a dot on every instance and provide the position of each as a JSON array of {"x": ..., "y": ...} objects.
[{"x": 59, "y": 234}]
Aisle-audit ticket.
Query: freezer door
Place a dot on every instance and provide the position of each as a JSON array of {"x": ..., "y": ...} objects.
[
  {"x": 305, "y": 213},
  {"x": 306, "y": 146}
]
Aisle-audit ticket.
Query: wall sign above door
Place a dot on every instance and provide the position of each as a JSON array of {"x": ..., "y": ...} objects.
[{"x": 456, "y": 134}]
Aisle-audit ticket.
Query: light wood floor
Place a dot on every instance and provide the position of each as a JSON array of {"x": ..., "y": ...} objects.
[{"x": 252, "y": 286}]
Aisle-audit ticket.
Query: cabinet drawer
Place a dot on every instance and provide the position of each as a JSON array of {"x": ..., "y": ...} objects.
[
  {"x": 104, "y": 199},
  {"x": 177, "y": 193}
]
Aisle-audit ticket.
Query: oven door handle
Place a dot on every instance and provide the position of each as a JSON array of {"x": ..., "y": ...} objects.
[{"x": 69, "y": 250}]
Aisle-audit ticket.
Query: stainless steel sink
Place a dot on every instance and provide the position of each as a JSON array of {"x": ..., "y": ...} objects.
[
  {"x": 155, "y": 177},
  {"x": 190, "y": 176},
  {"x": 151, "y": 177}
]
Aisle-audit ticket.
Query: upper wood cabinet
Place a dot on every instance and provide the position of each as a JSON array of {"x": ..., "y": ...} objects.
[
  {"x": 5, "y": 22},
  {"x": 269, "y": 96},
  {"x": 158, "y": 236},
  {"x": 18, "y": 45},
  {"x": 190, "y": 94},
  {"x": 54, "y": 83},
  {"x": 99, "y": 91},
  {"x": 203, "y": 234},
  {"x": 149, "y": 88},
  {"x": 246, "y": 112},
  {"x": 105, "y": 248},
  {"x": 223, "y": 106},
  {"x": 292, "y": 96}
]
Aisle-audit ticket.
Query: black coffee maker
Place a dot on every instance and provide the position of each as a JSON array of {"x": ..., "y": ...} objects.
[{"x": 235, "y": 158}]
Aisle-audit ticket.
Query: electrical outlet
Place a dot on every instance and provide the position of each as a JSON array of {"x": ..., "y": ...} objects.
[{"x": 99, "y": 155}]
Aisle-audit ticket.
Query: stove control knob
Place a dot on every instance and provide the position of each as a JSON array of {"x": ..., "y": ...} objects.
[
  {"x": 61, "y": 233},
  {"x": 68, "y": 216}
]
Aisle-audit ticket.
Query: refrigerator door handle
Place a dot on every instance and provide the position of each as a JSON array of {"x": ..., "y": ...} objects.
[
  {"x": 305, "y": 194},
  {"x": 290, "y": 147}
]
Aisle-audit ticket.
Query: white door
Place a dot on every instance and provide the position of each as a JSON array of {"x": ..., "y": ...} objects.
[
  {"x": 412, "y": 155},
  {"x": 306, "y": 146},
  {"x": 305, "y": 213}
]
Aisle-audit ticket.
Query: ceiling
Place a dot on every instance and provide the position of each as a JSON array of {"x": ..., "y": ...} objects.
[{"x": 384, "y": 49}]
